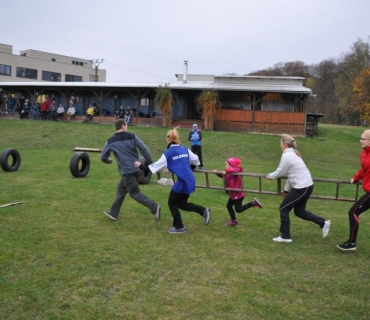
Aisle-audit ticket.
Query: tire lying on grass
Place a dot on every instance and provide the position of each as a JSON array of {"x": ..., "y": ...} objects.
[
  {"x": 79, "y": 164},
  {"x": 4, "y": 160},
  {"x": 144, "y": 175}
]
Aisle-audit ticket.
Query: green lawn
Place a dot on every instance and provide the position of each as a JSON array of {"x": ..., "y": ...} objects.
[{"x": 62, "y": 258}]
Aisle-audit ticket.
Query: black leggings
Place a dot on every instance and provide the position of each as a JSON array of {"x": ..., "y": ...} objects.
[
  {"x": 238, "y": 207},
  {"x": 297, "y": 199},
  {"x": 359, "y": 207}
]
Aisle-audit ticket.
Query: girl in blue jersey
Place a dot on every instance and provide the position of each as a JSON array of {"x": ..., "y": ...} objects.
[{"x": 180, "y": 161}]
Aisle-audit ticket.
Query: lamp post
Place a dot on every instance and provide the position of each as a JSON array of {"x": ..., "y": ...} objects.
[{"x": 97, "y": 62}]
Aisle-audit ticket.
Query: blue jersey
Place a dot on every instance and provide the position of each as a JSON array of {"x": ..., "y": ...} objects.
[
  {"x": 177, "y": 159},
  {"x": 178, "y": 163}
]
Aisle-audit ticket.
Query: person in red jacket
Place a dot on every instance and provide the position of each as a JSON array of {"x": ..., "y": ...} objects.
[
  {"x": 44, "y": 110},
  {"x": 235, "y": 197},
  {"x": 362, "y": 204}
]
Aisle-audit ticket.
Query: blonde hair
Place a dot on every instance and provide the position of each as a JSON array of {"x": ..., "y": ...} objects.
[
  {"x": 173, "y": 135},
  {"x": 367, "y": 133},
  {"x": 290, "y": 142}
]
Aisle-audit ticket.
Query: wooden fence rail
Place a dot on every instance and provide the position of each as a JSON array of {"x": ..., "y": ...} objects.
[{"x": 279, "y": 185}]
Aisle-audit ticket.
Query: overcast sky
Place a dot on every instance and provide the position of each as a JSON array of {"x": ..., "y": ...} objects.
[{"x": 148, "y": 40}]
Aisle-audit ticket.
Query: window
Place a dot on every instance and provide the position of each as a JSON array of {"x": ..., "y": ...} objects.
[
  {"x": 51, "y": 76},
  {"x": 5, "y": 70},
  {"x": 72, "y": 78},
  {"x": 26, "y": 73},
  {"x": 78, "y": 63},
  {"x": 144, "y": 102}
]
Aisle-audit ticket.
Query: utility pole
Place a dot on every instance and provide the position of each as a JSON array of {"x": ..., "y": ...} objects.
[{"x": 96, "y": 63}]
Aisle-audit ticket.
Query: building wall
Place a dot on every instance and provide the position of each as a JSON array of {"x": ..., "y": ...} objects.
[{"x": 43, "y": 61}]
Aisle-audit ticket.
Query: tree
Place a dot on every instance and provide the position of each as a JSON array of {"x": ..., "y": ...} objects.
[
  {"x": 207, "y": 103},
  {"x": 286, "y": 69},
  {"x": 324, "y": 75},
  {"x": 350, "y": 67},
  {"x": 163, "y": 99},
  {"x": 361, "y": 92}
]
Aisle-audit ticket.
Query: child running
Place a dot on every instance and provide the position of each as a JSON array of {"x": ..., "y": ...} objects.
[{"x": 235, "y": 197}]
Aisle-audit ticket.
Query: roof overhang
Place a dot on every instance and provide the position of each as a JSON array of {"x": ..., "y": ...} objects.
[{"x": 202, "y": 85}]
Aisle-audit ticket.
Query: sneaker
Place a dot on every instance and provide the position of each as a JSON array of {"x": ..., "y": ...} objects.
[
  {"x": 347, "y": 246},
  {"x": 107, "y": 213},
  {"x": 325, "y": 228},
  {"x": 256, "y": 203},
  {"x": 157, "y": 214},
  {"x": 280, "y": 239},
  {"x": 232, "y": 223},
  {"x": 206, "y": 215},
  {"x": 175, "y": 230}
]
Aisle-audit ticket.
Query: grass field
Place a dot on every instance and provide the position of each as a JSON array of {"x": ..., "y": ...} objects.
[{"x": 61, "y": 258}]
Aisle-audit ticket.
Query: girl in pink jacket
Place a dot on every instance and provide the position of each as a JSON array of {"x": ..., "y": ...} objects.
[{"x": 235, "y": 196}]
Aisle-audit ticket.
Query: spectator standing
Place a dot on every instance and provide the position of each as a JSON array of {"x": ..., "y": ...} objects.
[
  {"x": 178, "y": 159},
  {"x": 53, "y": 111},
  {"x": 11, "y": 105},
  {"x": 125, "y": 146},
  {"x": 24, "y": 114},
  {"x": 195, "y": 137},
  {"x": 128, "y": 115},
  {"x": 363, "y": 203},
  {"x": 44, "y": 110},
  {"x": 36, "y": 110},
  {"x": 297, "y": 190}
]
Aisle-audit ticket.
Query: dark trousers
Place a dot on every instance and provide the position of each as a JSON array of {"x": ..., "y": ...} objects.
[
  {"x": 296, "y": 199},
  {"x": 178, "y": 201},
  {"x": 359, "y": 207},
  {"x": 237, "y": 204},
  {"x": 44, "y": 115},
  {"x": 128, "y": 184},
  {"x": 198, "y": 151}
]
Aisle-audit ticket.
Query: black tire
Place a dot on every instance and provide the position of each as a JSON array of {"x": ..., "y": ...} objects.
[
  {"x": 144, "y": 175},
  {"x": 4, "y": 159},
  {"x": 80, "y": 164}
]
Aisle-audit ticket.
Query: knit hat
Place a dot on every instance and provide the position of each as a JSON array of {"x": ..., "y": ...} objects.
[{"x": 234, "y": 162}]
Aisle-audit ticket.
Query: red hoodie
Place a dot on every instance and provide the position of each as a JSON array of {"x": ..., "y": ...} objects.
[{"x": 364, "y": 173}]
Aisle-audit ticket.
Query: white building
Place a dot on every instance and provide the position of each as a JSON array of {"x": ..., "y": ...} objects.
[{"x": 33, "y": 65}]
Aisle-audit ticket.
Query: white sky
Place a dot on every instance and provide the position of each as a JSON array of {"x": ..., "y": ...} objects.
[{"x": 148, "y": 40}]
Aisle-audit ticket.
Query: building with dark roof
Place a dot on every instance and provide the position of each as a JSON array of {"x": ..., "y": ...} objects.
[{"x": 247, "y": 103}]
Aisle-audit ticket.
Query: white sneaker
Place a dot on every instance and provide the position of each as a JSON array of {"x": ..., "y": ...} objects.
[
  {"x": 280, "y": 239},
  {"x": 325, "y": 229}
]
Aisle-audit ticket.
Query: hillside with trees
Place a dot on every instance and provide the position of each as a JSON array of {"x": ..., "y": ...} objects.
[{"x": 340, "y": 86}]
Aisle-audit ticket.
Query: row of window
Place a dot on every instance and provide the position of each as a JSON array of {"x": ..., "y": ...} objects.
[
  {"x": 78, "y": 63},
  {"x": 28, "y": 73}
]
